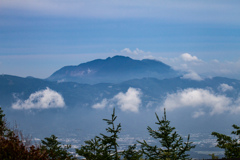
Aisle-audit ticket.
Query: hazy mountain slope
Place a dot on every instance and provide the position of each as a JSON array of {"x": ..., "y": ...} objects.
[
  {"x": 113, "y": 70},
  {"x": 84, "y": 95},
  {"x": 13, "y": 88},
  {"x": 78, "y": 121}
]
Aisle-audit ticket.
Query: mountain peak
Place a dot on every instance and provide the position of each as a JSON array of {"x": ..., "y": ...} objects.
[
  {"x": 119, "y": 57},
  {"x": 113, "y": 70}
]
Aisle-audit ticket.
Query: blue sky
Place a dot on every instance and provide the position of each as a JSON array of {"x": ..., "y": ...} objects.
[{"x": 37, "y": 37}]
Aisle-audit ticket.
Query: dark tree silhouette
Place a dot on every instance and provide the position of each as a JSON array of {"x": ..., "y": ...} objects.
[
  {"x": 172, "y": 145},
  {"x": 229, "y": 144}
]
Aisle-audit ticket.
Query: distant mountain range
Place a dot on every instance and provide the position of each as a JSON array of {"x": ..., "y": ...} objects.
[
  {"x": 79, "y": 84},
  {"x": 89, "y": 90},
  {"x": 79, "y": 95},
  {"x": 113, "y": 70}
]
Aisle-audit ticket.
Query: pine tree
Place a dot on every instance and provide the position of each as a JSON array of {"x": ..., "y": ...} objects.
[
  {"x": 4, "y": 130},
  {"x": 229, "y": 144},
  {"x": 172, "y": 145},
  {"x": 54, "y": 149},
  {"x": 131, "y": 153},
  {"x": 103, "y": 146},
  {"x": 111, "y": 141},
  {"x": 94, "y": 150}
]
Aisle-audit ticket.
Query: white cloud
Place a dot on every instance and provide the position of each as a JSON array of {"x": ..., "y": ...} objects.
[
  {"x": 126, "y": 50},
  {"x": 185, "y": 62},
  {"x": 134, "y": 52},
  {"x": 198, "y": 114},
  {"x": 61, "y": 81},
  {"x": 225, "y": 87},
  {"x": 192, "y": 75},
  {"x": 198, "y": 98},
  {"x": 101, "y": 105},
  {"x": 188, "y": 57},
  {"x": 137, "y": 54},
  {"x": 236, "y": 108},
  {"x": 129, "y": 101},
  {"x": 189, "y": 63},
  {"x": 215, "y": 61},
  {"x": 42, "y": 99}
]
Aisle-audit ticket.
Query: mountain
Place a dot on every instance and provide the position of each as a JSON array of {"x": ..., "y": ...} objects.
[
  {"x": 113, "y": 70},
  {"x": 79, "y": 95},
  {"x": 13, "y": 88},
  {"x": 79, "y": 120},
  {"x": 152, "y": 92}
]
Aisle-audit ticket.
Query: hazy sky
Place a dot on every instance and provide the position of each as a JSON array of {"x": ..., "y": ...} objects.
[{"x": 37, "y": 37}]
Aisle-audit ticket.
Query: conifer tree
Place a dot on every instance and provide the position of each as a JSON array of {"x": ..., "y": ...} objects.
[
  {"x": 103, "y": 146},
  {"x": 229, "y": 144},
  {"x": 172, "y": 145},
  {"x": 54, "y": 149},
  {"x": 94, "y": 150},
  {"x": 4, "y": 131},
  {"x": 131, "y": 153},
  {"x": 110, "y": 141}
]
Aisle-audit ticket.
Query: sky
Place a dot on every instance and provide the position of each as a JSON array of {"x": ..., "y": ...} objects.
[{"x": 38, "y": 37}]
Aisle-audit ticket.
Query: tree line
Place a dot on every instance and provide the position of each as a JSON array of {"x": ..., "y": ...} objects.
[{"x": 105, "y": 146}]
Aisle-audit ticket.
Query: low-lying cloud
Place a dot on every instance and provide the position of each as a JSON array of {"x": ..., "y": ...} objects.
[
  {"x": 127, "y": 102},
  {"x": 43, "y": 99},
  {"x": 192, "y": 64},
  {"x": 225, "y": 87},
  {"x": 192, "y": 75},
  {"x": 202, "y": 100},
  {"x": 194, "y": 67},
  {"x": 101, "y": 104}
]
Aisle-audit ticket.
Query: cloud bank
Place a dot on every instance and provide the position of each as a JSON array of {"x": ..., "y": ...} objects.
[
  {"x": 127, "y": 102},
  {"x": 197, "y": 68},
  {"x": 202, "y": 100},
  {"x": 193, "y": 67},
  {"x": 43, "y": 99}
]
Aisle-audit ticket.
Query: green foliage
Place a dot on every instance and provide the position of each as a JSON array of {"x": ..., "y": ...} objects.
[
  {"x": 94, "y": 150},
  {"x": 131, "y": 153},
  {"x": 213, "y": 156},
  {"x": 54, "y": 149},
  {"x": 104, "y": 147},
  {"x": 2, "y": 122},
  {"x": 110, "y": 142},
  {"x": 229, "y": 144},
  {"x": 172, "y": 145},
  {"x": 4, "y": 131}
]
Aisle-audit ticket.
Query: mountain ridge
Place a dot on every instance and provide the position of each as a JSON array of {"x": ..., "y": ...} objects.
[
  {"x": 77, "y": 94},
  {"x": 113, "y": 70}
]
